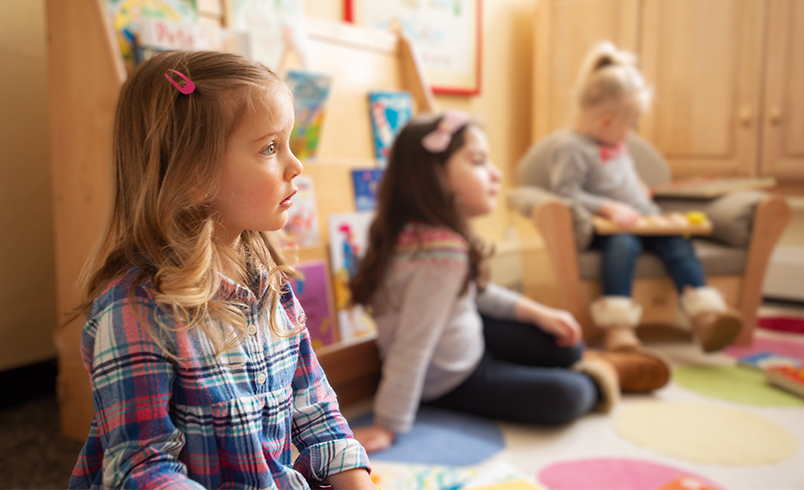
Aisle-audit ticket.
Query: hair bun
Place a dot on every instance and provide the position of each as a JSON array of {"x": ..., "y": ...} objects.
[{"x": 606, "y": 73}]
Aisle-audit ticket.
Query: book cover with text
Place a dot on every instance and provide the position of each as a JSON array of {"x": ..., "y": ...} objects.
[
  {"x": 127, "y": 16},
  {"x": 157, "y": 35}
]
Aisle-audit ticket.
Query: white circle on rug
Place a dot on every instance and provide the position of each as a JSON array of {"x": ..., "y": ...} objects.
[{"x": 705, "y": 432}]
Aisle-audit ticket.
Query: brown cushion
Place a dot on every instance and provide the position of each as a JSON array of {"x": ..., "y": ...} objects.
[{"x": 732, "y": 214}]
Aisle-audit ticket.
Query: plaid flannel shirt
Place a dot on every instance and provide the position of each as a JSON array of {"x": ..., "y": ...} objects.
[{"x": 205, "y": 422}]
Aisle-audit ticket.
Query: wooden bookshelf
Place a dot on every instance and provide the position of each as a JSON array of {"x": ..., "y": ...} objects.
[{"x": 85, "y": 75}]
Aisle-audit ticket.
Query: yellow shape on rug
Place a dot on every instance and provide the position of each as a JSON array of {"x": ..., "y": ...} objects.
[{"x": 705, "y": 432}]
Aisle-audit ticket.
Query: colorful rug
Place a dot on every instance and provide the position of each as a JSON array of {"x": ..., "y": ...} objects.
[
  {"x": 777, "y": 346},
  {"x": 620, "y": 474},
  {"x": 705, "y": 432},
  {"x": 492, "y": 475},
  {"x": 736, "y": 384},
  {"x": 782, "y": 324},
  {"x": 442, "y": 437}
]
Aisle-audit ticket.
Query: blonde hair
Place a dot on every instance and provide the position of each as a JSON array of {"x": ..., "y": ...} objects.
[
  {"x": 609, "y": 80},
  {"x": 168, "y": 150}
]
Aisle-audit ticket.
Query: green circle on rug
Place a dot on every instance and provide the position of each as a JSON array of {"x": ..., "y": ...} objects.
[
  {"x": 705, "y": 432},
  {"x": 735, "y": 384}
]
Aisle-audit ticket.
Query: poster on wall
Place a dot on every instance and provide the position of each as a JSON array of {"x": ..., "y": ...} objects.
[{"x": 445, "y": 32}]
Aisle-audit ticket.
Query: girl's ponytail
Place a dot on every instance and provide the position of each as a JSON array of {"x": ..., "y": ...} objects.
[{"x": 610, "y": 74}]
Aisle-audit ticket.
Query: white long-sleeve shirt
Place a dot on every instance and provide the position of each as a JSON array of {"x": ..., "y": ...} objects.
[{"x": 430, "y": 334}]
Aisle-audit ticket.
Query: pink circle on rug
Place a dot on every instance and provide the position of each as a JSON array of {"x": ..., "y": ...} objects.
[
  {"x": 776, "y": 346},
  {"x": 782, "y": 323},
  {"x": 620, "y": 474}
]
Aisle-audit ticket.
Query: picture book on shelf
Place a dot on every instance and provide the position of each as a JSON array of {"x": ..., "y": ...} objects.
[
  {"x": 127, "y": 15},
  {"x": 389, "y": 112},
  {"x": 310, "y": 93},
  {"x": 157, "y": 35},
  {"x": 348, "y": 234},
  {"x": 366, "y": 185},
  {"x": 301, "y": 229},
  {"x": 313, "y": 292}
]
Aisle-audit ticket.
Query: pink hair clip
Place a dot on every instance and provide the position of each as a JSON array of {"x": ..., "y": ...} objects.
[
  {"x": 187, "y": 89},
  {"x": 438, "y": 140}
]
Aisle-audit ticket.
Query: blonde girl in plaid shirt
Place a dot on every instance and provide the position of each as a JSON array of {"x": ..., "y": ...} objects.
[{"x": 202, "y": 371}]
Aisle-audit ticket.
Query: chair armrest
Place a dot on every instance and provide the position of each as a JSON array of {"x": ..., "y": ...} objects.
[
  {"x": 526, "y": 199},
  {"x": 732, "y": 215}
]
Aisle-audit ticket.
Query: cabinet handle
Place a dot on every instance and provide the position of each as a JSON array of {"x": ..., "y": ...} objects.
[{"x": 775, "y": 116}]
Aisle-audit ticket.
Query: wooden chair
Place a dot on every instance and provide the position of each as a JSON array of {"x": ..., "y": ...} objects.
[{"x": 747, "y": 225}]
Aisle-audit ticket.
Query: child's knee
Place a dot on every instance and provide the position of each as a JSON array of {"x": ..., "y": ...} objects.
[
  {"x": 574, "y": 396},
  {"x": 625, "y": 244}
]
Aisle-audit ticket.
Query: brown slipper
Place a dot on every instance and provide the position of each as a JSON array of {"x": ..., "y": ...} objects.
[
  {"x": 716, "y": 330},
  {"x": 621, "y": 339},
  {"x": 638, "y": 372}
]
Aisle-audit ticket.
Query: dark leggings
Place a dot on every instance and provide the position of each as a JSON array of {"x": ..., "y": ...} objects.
[{"x": 524, "y": 377}]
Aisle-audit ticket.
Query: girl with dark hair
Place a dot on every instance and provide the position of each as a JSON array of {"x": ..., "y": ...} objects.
[{"x": 447, "y": 336}]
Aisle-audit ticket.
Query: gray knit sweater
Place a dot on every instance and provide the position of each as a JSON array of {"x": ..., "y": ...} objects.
[{"x": 586, "y": 171}]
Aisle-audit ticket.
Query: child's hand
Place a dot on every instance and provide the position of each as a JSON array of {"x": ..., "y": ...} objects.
[
  {"x": 559, "y": 323},
  {"x": 562, "y": 325},
  {"x": 374, "y": 437},
  {"x": 620, "y": 214}
]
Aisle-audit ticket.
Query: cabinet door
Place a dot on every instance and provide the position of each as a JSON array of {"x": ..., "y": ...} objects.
[
  {"x": 565, "y": 31},
  {"x": 704, "y": 59},
  {"x": 783, "y": 121}
]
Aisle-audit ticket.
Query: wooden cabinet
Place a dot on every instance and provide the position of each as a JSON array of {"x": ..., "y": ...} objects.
[
  {"x": 704, "y": 60},
  {"x": 728, "y": 81},
  {"x": 783, "y": 122}
]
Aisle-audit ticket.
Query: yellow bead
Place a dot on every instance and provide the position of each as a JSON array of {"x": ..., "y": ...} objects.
[{"x": 696, "y": 217}]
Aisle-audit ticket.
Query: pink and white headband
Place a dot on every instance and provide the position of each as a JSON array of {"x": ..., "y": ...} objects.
[{"x": 439, "y": 139}]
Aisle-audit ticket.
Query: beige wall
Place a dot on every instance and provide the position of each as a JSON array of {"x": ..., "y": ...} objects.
[
  {"x": 27, "y": 291},
  {"x": 505, "y": 96}
]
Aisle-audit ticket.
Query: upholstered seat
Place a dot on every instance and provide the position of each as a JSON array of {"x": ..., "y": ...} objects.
[{"x": 746, "y": 227}]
